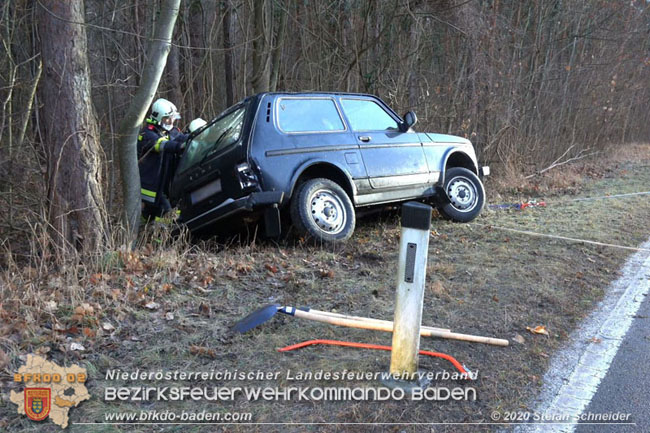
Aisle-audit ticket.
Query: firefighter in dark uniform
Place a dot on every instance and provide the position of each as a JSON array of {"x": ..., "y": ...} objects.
[{"x": 160, "y": 144}]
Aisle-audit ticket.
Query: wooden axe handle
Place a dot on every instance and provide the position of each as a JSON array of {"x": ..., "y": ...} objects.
[
  {"x": 388, "y": 327},
  {"x": 370, "y": 319}
]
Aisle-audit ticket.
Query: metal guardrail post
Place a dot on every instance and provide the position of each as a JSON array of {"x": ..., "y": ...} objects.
[{"x": 411, "y": 275}]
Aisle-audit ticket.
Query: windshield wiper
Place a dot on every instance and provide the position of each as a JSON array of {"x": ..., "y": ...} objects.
[
  {"x": 223, "y": 134},
  {"x": 221, "y": 137}
]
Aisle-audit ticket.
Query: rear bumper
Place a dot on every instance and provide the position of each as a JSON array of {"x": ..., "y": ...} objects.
[
  {"x": 484, "y": 171},
  {"x": 231, "y": 207}
]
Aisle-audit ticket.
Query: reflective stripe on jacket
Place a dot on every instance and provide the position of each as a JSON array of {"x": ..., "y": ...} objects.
[{"x": 156, "y": 149}]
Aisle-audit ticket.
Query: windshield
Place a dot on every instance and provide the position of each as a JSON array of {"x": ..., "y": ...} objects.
[{"x": 221, "y": 134}]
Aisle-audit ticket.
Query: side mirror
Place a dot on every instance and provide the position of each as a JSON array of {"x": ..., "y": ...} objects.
[{"x": 410, "y": 119}]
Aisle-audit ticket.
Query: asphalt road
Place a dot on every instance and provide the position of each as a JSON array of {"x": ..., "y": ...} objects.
[{"x": 626, "y": 387}]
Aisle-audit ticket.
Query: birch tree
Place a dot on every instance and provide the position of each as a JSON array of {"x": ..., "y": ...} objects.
[{"x": 158, "y": 50}]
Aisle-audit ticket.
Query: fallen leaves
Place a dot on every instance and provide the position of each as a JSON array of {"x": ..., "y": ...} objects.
[
  {"x": 66, "y": 330},
  {"x": 204, "y": 310},
  {"x": 243, "y": 268},
  {"x": 43, "y": 350},
  {"x": 95, "y": 279},
  {"x": 271, "y": 268},
  {"x": 131, "y": 261},
  {"x": 76, "y": 347},
  {"x": 152, "y": 305},
  {"x": 519, "y": 339},
  {"x": 203, "y": 351},
  {"x": 326, "y": 273},
  {"x": 437, "y": 288},
  {"x": 136, "y": 297},
  {"x": 541, "y": 330},
  {"x": 82, "y": 311}
]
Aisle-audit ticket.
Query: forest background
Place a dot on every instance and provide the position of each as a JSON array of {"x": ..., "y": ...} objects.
[{"x": 531, "y": 83}]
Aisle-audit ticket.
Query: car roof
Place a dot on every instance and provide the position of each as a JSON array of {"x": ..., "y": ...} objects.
[{"x": 315, "y": 94}]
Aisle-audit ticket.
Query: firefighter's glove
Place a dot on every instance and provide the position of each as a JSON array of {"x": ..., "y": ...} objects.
[{"x": 177, "y": 145}]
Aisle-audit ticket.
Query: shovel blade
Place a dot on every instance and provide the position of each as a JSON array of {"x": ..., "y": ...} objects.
[{"x": 256, "y": 318}]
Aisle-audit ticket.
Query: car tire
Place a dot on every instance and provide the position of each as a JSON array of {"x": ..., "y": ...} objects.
[
  {"x": 463, "y": 197},
  {"x": 322, "y": 210}
]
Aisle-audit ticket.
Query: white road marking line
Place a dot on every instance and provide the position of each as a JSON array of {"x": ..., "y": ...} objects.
[{"x": 575, "y": 372}]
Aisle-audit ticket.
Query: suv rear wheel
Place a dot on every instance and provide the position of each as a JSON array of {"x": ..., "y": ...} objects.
[
  {"x": 464, "y": 195},
  {"x": 321, "y": 209}
]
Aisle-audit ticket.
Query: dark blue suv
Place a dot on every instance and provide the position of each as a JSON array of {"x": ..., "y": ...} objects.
[{"x": 320, "y": 156}]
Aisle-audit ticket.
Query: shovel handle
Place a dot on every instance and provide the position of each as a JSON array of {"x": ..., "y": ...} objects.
[
  {"x": 388, "y": 327},
  {"x": 370, "y": 319},
  {"x": 465, "y": 337}
]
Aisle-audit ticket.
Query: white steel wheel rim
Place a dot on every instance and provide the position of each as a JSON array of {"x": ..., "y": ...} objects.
[
  {"x": 462, "y": 193},
  {"x": 327, "y": 211}
]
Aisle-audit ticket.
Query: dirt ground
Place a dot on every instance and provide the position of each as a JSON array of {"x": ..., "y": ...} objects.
[{"x": 171, "y": 308}]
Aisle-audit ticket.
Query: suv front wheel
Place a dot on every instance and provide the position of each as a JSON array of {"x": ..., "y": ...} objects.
[
  {"x": 321, "y": 208},
  {"x": 464, "y": 195}
]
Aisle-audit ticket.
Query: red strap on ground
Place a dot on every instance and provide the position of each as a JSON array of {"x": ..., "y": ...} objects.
[{"x": 449, "y": 358}]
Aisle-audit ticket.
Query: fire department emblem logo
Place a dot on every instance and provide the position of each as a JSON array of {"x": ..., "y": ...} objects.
[
  {"x": 37, "y": 403},
  {"x": 50, "y": 391}
]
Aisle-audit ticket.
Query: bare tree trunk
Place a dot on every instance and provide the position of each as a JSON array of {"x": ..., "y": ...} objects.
[
  {"x": 111, "y": 126},
  {"x": 75, "y": 198},
  {"x": 413, "y": 62},
  {"x": 261, "y": 78},
  {"x": 276, "y": 54},
  {"x": 158, "y": 51},
  {"x": 347, "y": 44},
  {"x": 227, "y": 53},
  {"x": 196, "y": 61},
  {"x": 175, "y": 77}
]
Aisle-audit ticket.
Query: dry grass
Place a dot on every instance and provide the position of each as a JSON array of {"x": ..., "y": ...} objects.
[
  {"x": 512, "y": 183},
  {"x": 172, "y": 304}
]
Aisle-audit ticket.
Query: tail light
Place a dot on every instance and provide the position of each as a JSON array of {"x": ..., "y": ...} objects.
[{"x": 246, "y": 176}]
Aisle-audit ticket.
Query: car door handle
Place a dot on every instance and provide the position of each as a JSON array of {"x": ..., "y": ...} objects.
[{"x": 364, "y": 138}]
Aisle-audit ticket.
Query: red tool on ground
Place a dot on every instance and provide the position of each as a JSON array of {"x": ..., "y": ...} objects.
[{"x": 449, "y": 358}]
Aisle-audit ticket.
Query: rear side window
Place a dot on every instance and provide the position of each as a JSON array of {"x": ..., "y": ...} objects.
[
  {"x": 366, "y": 115},
  {"x": 308, "y": 115}
]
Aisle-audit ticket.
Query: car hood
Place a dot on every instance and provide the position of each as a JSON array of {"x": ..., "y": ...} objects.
[{"x": 444, "y": 138}]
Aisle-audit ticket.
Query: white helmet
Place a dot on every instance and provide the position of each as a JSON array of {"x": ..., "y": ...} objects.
[
  {"x": 196, "y": 124},
  {"x": 163, "y": 108}
]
